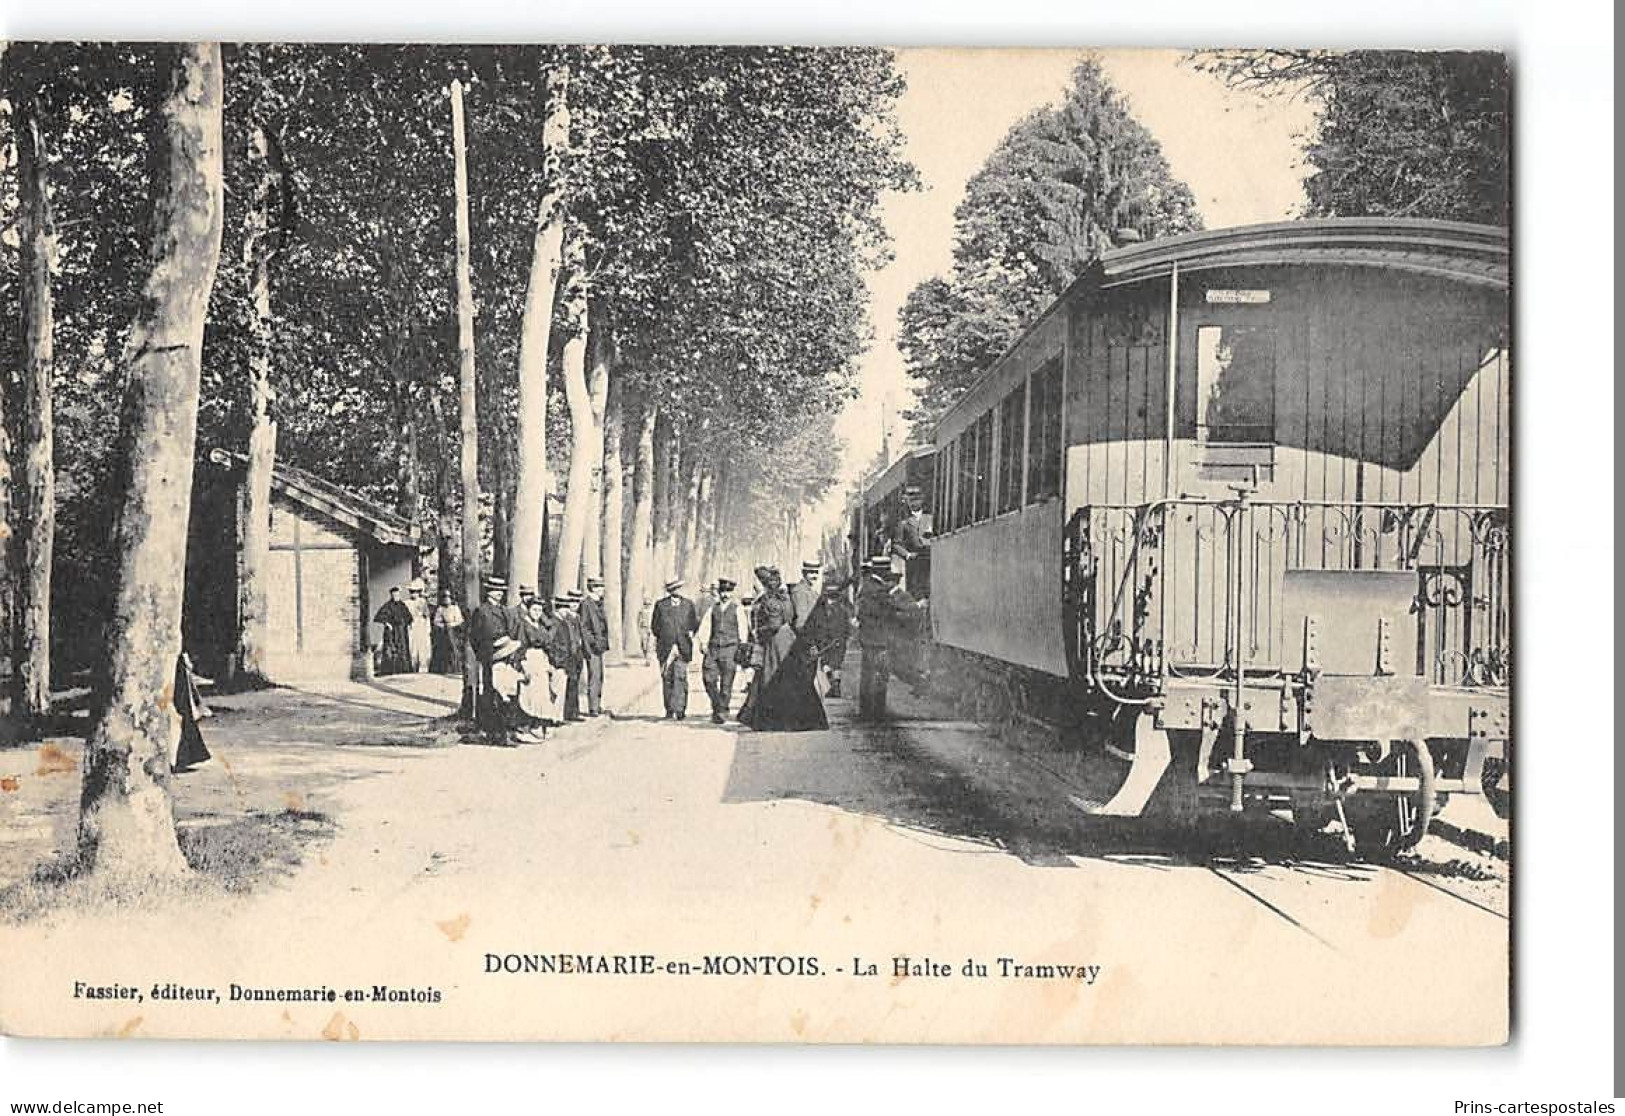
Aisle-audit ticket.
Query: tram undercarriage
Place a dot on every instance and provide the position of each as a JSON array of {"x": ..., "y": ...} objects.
[{"x": 1373, "y": 672}]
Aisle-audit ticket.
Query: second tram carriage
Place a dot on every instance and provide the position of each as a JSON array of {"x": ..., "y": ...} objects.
[{"x": 1245, "y": 493}]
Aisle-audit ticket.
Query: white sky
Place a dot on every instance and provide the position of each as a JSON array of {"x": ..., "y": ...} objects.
[{"x": 1239, "y": 153}]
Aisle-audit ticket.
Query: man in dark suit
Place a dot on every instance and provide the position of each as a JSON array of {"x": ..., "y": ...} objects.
[
  {"x": 489, "y": 623},
  {"x": 673, "y": 625},
  {"x": 595, "y": 631},
  {"x": 569, "y": 610}
]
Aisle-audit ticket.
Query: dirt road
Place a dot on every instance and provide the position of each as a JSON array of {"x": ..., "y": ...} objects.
[{"x": 918, "y": 881}]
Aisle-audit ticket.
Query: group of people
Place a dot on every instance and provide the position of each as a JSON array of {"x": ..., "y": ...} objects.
[
  {"x": 538, "y": 658},
  {"x": 789, "y": 643},
  {"x": 417, "y": 638}
]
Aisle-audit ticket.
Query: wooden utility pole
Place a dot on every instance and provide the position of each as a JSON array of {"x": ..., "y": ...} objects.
[{"x": 466, "y": 393}]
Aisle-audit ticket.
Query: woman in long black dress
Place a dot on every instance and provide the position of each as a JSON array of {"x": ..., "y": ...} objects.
[
  {"x": 789, "y": 700},
  {"x": 189, "y": 704}
]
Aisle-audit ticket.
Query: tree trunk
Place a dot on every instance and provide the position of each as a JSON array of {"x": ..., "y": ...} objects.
[
  {"x": 688, "y": 513},
  {"x": 639, "y": 563},
  {"x": 600, "y": 352},
  {"x": 710, "y": 489},
  {"x": 614, "y": 472},
  {"x": 247, "y": 664},
  {"x": 36, "y": 497},
  {"x": 665, "y": 441},
  {"x": 467, "y": 396},
  {"x": 530, "y": 500},
  {"x": 126, "y": 823},
  {"x": 585, "y": 449}
]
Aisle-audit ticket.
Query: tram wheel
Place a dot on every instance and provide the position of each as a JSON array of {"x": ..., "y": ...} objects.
[{"x": 1384, "y": 824}]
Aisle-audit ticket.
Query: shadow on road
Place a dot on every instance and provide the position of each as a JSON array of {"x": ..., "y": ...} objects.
[{"x": 884, "y": 771}]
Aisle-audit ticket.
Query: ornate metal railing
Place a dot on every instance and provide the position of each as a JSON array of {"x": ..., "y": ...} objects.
[{"x": 1195, "y": 587}]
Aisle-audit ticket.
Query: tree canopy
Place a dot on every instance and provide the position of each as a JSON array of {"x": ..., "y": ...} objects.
[
  {"x": 1048, "y": 200},
  {"x": 1399, "y": 133}
]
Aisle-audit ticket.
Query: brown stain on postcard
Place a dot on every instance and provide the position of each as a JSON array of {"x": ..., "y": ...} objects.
[
  {"x": 10, "y": 783},
  {"x": 1392, "y": 907},
  {"x": 340, "y": 1029},
  {"x": 455, "y": 928},
  {"x": 54, "y": 761},
  {"x": 130, "y": 1026}
]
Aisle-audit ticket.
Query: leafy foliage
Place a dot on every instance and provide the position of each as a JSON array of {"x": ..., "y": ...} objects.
[
  {"x": 1047, "y": 201},
  {"x": 1400, "y": 133}
]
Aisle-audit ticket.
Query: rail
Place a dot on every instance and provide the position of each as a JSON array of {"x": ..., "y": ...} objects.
[{"x": 1193, "y": 588}]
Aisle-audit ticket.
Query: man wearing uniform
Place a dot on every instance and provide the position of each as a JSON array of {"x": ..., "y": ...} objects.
[
  {"x": 490, "y": 622},
  {"x": 881, "y": 615},
  {"x": 909, "y": 541},
  {"x": 722, "y": 630},
  {"x": 673, "y": 624},
  {"x": 804, "y": 595},
  {"x": 595, "y": 631}
]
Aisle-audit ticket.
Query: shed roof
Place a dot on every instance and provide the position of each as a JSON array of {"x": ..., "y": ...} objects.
[{"x": 348, "y": 508}]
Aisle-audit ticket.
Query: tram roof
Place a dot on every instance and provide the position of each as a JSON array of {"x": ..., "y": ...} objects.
[
  {"x": 894, "y": 473},
  {"x": 1456, "y": 250},
  {"x": 1477, "y": 254}
]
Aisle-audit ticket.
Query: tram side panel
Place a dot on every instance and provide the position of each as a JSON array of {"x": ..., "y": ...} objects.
[
  {"x": 998, "y": 513},
  {"x": 1386, "y": 391}
]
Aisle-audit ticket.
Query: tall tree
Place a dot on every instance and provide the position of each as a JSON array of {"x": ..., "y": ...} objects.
[
  {"x": 1047, "y": 201},
  {"x": 640, "y": 541},
  {"x": 612, "y": 544},
  {"x": 530, "y": 500},
  {"x": 1399, "y": 133},
  {"x": 266, "y": 223},
  {"x": 467, "y": 391},
  {"x": 36, "y": 504},
  {"x": 126, "y": 824}
]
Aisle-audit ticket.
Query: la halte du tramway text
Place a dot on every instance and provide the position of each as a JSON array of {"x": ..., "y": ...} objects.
[{"x": 897, "y": 967}]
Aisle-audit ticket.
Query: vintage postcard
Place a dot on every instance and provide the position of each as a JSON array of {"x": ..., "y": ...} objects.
[{"x": 768, "y": 544}]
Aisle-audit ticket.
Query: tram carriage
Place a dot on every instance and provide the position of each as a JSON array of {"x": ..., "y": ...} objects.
[
  {"x": 879, "y": 507},
  {"x": 1246, "y": 492}
]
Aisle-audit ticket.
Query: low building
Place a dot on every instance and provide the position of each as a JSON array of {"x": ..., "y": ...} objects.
[{"x": 334, "y": 557}]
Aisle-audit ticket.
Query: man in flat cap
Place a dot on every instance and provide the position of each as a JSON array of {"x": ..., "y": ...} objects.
[
  {"x": 673, "y": 624},
  {"x": 567, "y": 606},
  {"x": 595, "y": 632},
  {"x": 882, "y": 614},
  {"x": 723, "y": 629}
]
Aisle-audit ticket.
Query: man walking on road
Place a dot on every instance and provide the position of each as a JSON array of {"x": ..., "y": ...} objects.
[
  {"x": 673, "y": 625},
  {"x": 595, "y": 631},
  {"x": 722, "y": 632}
]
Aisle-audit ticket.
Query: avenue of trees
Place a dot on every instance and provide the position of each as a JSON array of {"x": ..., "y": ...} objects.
[{"x": 633, "y": 274}]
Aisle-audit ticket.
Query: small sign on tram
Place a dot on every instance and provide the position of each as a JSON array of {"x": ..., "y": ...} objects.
[{"x": 1232, "y": 296}]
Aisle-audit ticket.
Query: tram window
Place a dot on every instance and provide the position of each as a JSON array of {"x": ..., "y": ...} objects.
[
  {"x": 984, "y": 468},
  {"x": 1012, "y": 415},
  {"x": 967, "y": 477},
  {"x": 1044, "y": 437},
  {"x": 1235, "y": 384}
]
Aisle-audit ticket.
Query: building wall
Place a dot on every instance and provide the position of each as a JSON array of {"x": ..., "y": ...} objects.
[{"x": 315, "y": 601}]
